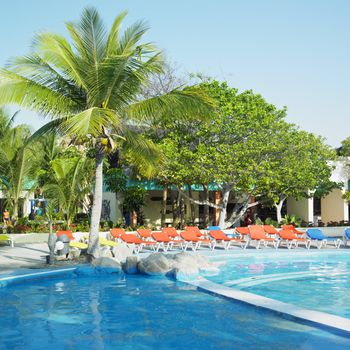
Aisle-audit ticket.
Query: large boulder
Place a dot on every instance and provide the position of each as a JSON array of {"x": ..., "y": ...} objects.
[
  {"x": 156, "y": 264},
  {"x": 121, "y": 252},
  {"x": 130, "y": 266},
  {"x": 110, "y": 265},
  {"x": 105, "y": 252}
]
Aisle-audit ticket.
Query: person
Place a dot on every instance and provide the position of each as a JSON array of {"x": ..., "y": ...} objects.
[
  {"x": 247, "y": 220},
  {"x": 6, "y": 216}
]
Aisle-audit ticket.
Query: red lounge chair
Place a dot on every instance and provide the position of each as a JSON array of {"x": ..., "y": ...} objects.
[
  {"x": 116, "y": 233},
  {"x": 257, "y": 234},
  {"x": 137, "y": 243},
  {"x": 164, "y": 242},
  {"x": 220, "y": 237},
  {"x": 145, "y": 233},
  {"x": 290, "y": 238},
  {"x": 271, "y": 230},
  {"x": 191, "y": 240},
  {"x": 242, "y": 231},
  {"x": 195, "y": 230},
  {"x": 67, "y": 233},
  {"x": 293, "y": 229},
  {"x": 171, "y": 232}
]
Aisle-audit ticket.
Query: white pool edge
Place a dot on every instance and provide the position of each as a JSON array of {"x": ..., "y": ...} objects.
[{"x": 314, "y": 317}]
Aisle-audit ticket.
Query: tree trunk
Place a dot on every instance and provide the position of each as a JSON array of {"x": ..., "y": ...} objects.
[
  {"x": 51, "y": 243},
  {"x": 174, "y": 207},
  {"x": 224, "y": 202},
  {"x": 278, "y": 207},
  {"x": 206, "y": 207},
  {"x": 193, "y": 210},
  {"x": 94, "y": 246},
  {"x": 15, "y": 211},
  {"x": 164, "y": 200},
  {"x": 182, "y": 210}
]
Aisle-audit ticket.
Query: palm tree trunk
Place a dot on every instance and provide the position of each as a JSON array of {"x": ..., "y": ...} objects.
[
  {"x": 51, "y": 243},
  {"x": 94, "y": 246},
  {"x": 163, "y": 213}
]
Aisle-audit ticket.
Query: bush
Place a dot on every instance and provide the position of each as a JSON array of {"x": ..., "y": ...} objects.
[
  {"x": 291, "y": 220},
  {"x": 21, "y": 229},
  {"x": 272, "y": 222}
]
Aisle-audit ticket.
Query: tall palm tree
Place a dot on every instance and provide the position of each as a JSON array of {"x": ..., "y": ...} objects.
[
  {"x": 89, "y": 87},
  {"x": 16, "y": 163}
]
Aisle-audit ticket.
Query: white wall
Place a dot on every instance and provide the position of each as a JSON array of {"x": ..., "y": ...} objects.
[
  {"x": 303, "y": 208},
  {"x": 334, "y": 207}
]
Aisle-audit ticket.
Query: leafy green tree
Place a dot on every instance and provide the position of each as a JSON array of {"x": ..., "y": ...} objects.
[
  {"x": 298, "y": 165},
  {"x": 89, "y": 87},
  {"x": 232, "y": 149},
  {"x": 344, "y": 149}
]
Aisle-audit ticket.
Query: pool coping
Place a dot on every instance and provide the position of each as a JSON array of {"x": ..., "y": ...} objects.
[{"x": 316, "y": 318}]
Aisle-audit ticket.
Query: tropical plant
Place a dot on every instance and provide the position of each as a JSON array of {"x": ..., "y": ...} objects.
[
  {"x": 16, "y": 163},
  {"x": 70, "y": 184},
  {"x": 134, "y": 200},
  {"x": 90, "y": 87}
]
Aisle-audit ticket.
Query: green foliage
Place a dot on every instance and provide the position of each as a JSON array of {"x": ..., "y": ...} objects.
[
  {"x": 115, "y": 180},
  {"x": 344, "y": 150},
  {"x": 346, "y": 196},
  {"x": 292, "y": 220},
  {"x": 69, "y": 185},
  {"x": 134, "y": 199},
  {"x": 272, "y": 222}
]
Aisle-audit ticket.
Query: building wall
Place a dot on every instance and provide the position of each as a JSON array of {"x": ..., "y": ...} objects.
[
  {"x": 334, "y": 207},
  {"x": 302, "y": 208}
]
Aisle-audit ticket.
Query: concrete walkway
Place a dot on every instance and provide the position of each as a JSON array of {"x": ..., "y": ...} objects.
[{"x": 24, "y": 256}]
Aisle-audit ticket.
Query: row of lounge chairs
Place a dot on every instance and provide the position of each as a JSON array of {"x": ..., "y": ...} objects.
[{"x": 255, "y": 235}]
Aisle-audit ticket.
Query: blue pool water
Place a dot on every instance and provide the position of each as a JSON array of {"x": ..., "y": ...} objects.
[
  {"x": 114, "y": 312},
  {"x": 319, "y": 281}
]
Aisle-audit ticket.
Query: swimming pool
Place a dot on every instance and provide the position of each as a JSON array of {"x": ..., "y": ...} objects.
[
  {"x": 319, "y": 281},
  {"x": 92, "y": 311}
]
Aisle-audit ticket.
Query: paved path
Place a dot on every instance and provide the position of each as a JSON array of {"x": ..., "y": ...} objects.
[{"x": 25, "y": 256}]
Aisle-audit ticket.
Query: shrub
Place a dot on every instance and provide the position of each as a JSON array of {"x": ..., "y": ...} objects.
[
  {"x": 21, "y": 228},
  {"x": 272, "y": 222}
]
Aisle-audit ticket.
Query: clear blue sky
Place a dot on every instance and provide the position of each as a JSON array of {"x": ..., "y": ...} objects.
[{"x": 294, "y": 52}]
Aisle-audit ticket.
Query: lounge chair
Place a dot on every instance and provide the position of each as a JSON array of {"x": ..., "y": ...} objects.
[
  {"x": 171, "y": 232},
  {"x": 290, "y": 238},
  {"x": 219, "y": 236},
  {"x": 116, "y": 233},
  {"x": 145, "y": 233},
  {"x": 193, "y": 241},
  {"x": 346, "y": 236},
  {"x": 271, "y": 230},
  {"x": 65, "y": 232},
  {"x": 293, "y": 229},
  {"x": 242, "y": 231},
  {"x": 320, "y": 239},
  {"x": 4, "y": 238},
  {"x": 137, "y": 243},
  {"x": 164, "y": 242},
  {"x": 257, "y": 234},
  {"x": 195, "y": 230}
]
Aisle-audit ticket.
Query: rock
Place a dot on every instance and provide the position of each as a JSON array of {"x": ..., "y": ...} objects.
[
  {"x": 121, "y": 252},
  {"x": 185, "y": 273},
  {"x": 74, "y": 254},
  {"x": 130, "y": 266},
  {"x": 191, "y": 259},
  {"x": 156, "y": 264},
  {"x": 105, "y": 252},
  {"x": 107, "y": 263}
]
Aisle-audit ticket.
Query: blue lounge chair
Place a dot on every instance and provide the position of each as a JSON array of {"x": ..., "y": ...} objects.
[
  {"x": 321, "y": 240},
  {"x": 346, "y": 237}
]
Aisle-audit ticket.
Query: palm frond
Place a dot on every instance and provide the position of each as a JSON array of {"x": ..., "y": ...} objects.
[
  {"x": 113, "y": 36},
  {"x": 178, "y": 104},
  {"x": 16, "y": 89}
]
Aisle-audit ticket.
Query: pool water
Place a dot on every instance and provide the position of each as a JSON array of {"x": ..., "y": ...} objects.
[
  {"x": 136, "y": 312},
  {"x": 318, "y": 281}
]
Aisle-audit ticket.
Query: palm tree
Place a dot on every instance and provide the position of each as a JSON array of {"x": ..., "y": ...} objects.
[
  {"x": 89, "y": 87},
  {"x": 69, "y": 185},
  {"x": 16, "y": 162}
]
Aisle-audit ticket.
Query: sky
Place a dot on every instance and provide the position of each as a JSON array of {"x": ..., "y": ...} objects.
[{"x": 295, "y": 53}]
